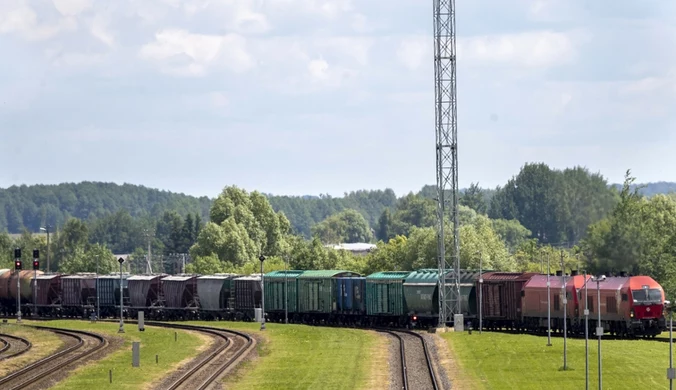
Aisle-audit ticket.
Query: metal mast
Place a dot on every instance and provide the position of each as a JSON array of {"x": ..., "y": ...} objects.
[{"x": 447, "y": 154}]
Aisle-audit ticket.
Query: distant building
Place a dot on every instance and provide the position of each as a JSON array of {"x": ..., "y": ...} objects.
[{"x": 357, "y": 248}]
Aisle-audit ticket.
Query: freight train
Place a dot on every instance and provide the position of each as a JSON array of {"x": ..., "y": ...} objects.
[{"x": 629, "y": 305}]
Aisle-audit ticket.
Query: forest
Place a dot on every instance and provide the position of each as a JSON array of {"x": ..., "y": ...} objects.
[{"x": 541, "y": 215}]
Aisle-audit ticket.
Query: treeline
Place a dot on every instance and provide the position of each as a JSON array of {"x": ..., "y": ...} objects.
[
  {"x": 75, "y": 246},
  {"x": 32, "y": 207}
]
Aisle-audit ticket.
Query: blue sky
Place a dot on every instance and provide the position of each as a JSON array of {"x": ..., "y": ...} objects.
[{"x": 318, "y": 96}]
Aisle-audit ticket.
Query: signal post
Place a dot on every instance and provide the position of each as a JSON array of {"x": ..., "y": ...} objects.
[{"x": 17, "y": 269}]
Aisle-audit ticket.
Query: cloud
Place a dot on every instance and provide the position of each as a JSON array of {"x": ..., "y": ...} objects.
[
  {"x": 71, "y": 7},
  {"x": 533, "y": 49},
  {"x": 533, "y": 76},
  {"x": 180, "y": 52},
  {"x": 16, "y": 17},
  {"x": 415, "y": 51}
]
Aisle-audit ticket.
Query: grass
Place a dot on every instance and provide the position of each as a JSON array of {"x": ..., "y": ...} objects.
[
  {"x": 153, "y": 341},
  {"x": 504, "y": 361},
  {"x": 305, "y": 357},
  {"x": 44, "y": 343}
]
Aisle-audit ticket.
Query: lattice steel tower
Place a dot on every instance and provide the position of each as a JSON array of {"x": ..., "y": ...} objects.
[{"x": 446, "y": 114}]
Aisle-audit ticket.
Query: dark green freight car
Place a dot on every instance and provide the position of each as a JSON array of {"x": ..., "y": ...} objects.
[
  {"x": 277, "y": 285},
  {"x": 317, "y": 290},
  {"x": 385, "y": 296},
  {"x": 422, "y": 293}
]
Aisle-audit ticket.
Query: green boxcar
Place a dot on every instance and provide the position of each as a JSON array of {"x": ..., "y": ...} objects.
[
  {"x": 385, "y": 293},
  {"x": 316, "y": 290},
  {"x": 276, "y": 285},
  {"x": 422, "y": 293}
]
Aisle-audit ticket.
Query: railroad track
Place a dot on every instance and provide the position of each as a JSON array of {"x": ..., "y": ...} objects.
[
  {"x": 415, "y": 357},
  {"x": 85, "y": 344},
  {"x": 234, "y": 347},
  {"x": 13, "y": 346}
]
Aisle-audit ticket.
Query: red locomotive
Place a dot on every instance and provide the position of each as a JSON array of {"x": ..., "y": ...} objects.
[{"x": 629, "y": 305}]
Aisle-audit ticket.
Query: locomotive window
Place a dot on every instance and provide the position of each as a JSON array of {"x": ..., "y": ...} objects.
[
  {"x": 590, "y": 304},
  {"x": 647, "y": 295},
  {"x": 625, "y": 298}
]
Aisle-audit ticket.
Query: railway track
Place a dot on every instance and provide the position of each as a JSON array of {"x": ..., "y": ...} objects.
[
  {"x": 13, "y": 346},
  {"x": 417, "y": 371},
  {"x": 234, "y": 346},
  {"x": 84, "y": 344}
]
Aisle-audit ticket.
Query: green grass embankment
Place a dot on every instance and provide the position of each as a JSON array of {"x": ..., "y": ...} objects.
[
  {"x": 305, "y": 357},
  {"x": 504, "y": 361},
  {"x": 153, "y": 341}
]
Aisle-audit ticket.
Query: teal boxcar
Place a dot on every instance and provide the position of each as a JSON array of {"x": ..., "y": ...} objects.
[
  {"x": 422, "y": 293},
  {"x": 277, "y": 283},
  {"x": 385, "y": 293},
  {"x": 317, "y": 291}
]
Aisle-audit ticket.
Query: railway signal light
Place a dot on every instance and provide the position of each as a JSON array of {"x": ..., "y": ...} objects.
[
  {"x": 17, "y": 253},
  {"x": 17, "y": 265},
  {"x": 36, "y": 264},
  {"x": 36, "y": 253}
]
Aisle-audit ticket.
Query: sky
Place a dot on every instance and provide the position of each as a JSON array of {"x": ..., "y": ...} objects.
[{"x": 316, "y": 96}]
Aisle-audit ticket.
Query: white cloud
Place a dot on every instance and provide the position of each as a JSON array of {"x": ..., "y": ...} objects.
[
  {"x": 197, "y": 51},
  {"x": 99, "y": 29},
  {"x": 529, "y": 49},
  {"x": 19, "y": 18},
  {"x": 326, "y": 8},
  {"x": 71, "y": 7},
  {"x": 219, "y": 99},
  {"x": 415, "y": 51}
]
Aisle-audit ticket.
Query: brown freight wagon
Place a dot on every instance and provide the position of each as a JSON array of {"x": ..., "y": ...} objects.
[
  {"x": 48, "y": 294},
  {"x": 78, "y": 294},
  {"x": 501, "y": 298}
]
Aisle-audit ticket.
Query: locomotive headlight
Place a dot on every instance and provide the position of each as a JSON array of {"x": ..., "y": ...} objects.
[{"x": 631, "y": 313}]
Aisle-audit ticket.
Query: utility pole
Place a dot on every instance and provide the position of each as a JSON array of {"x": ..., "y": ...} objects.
[
  {"x": 262, "y": 259},
  {"x": 446, "y": 130},
  {"x": 98, "y": 312},
  {"x": 549, "y": 309},
  {"x": 121, "y": 330},
  {"x": 149, "y": 267},
  {"x": 46, "y": 229},
  {"x": 286, "y": 288},
  {"x": 481, "y": 287},
  {"x": 586, "y": 332},
  {"x": 565, "y": 306},
  {"x": 671, "y": 375}
]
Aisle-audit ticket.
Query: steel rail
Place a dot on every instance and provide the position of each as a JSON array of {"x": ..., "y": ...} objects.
[
  {"x": 26, "y": 371},
  {"x": 4, "y": 337}
]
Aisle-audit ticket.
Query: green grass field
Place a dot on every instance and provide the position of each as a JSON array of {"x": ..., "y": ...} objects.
[
  {"x": 153, "y": 341},
  {"x": 305, "y": 357},
  {"x": 503, "y": 361}
]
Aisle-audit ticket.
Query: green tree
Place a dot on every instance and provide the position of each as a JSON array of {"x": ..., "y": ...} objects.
[
  {"x": 473, "y": 198},
  {"x": 348, "y": 226}
]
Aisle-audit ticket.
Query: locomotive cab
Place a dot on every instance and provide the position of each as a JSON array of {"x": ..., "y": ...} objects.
[{"x": 646, "y": 306}]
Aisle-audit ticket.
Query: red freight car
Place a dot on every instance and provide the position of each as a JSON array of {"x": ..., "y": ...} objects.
[
  {"x": 534, "y": 302},
  {"x": 629, "y": 305},
  {"x": 501, "y": 298}
]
